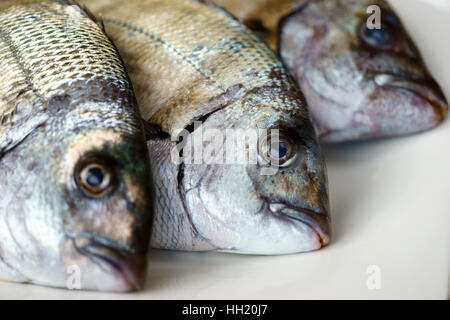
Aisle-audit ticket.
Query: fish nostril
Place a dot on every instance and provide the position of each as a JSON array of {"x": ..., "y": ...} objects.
[
  {"x": 276, "y": 207},
  {"x": 383, "y": 79}
]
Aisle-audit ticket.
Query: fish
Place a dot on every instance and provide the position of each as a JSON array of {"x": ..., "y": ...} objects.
[
  {"x": 361, "y": 81},
  {"x": 75, "y": 194},
  {"x": 196, "y": 70}
]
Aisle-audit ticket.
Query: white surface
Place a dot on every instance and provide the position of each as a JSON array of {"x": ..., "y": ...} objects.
[{"x": 390, "y": 206}]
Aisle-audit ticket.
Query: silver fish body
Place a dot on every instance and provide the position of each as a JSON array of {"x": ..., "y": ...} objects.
[
  {"x": 75, "y": 196},
  {"x": 360, "y": 83},
  {"x": 189, "y": 62}
]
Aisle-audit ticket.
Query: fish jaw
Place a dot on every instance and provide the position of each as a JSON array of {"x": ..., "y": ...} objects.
[
  {"x": 87, "y": 264},
  {"x": 394, "y": 102},
  {"x": 273, "y": 229},
  {"x": 299, "y": 232},
  {"x": 426, "y": 90},
  {"x": 306, "y": 231},
  {"x": 318, "y": 222},
  {"x": 121, "y": 270},
  {"x": 388, "y": 106}
]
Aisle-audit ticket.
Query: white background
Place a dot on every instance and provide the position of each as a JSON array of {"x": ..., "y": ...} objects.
[{"x": 390, "y": 207}]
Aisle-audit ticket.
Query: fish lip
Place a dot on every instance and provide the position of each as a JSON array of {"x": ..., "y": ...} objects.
[
  {"x": 320, "y": 223},
  {"x": 126, "y": 264},
  {"x": 424, "y": 87}
]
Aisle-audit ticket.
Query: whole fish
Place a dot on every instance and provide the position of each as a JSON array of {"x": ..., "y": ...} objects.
[
  {"x": 75, "y": 197},
  {"x": 190, "y": 62},
  {"x": 359, "y": 82}
]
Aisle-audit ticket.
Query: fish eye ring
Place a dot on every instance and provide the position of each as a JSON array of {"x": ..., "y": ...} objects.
[
  {"x": 383, "y": 38},
  {"x": 278, "y": 149},
  {"x": 95, "y": 177}
]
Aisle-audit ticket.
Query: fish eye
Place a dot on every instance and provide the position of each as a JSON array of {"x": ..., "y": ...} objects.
[
  {"x": 279, "y": 149},
  {"x": 95, "y": 177},
  {"x": 383, "y": 38}
]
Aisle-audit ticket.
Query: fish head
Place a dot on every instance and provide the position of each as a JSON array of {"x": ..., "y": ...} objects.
[
  {"x": 361, "y": 72},
  {"x": 108, "y": 198},
  {"x": 266, "y": 192},
  {"x": 83, "y": 218}
]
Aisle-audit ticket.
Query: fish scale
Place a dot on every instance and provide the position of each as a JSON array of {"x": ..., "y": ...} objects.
[
  {"x": 229, "y": 54},
  {"x": 43, "y": 60},
  {"x": 43, "y": 63}
]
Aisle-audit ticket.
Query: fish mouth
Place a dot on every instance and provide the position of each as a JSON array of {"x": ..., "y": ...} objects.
[
  {"x": 124, "y": 264},
  {"x": 425, "y": 88},
  {"x": 317, "y": 222}
]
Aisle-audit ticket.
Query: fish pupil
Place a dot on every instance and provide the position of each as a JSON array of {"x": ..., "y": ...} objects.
[
  {"x": 380, "y": 36},
  {"x": 95, "y": 177},
  {"x": 278, "y": 150}
]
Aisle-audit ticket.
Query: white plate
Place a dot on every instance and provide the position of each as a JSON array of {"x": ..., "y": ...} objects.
[{"x": 390, "y": 206}]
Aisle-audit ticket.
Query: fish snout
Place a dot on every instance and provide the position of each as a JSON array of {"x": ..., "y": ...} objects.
[
  {"x": 319, "y": 223},
  {"x": 124, "y": 265},
  {"x": 426, "y": 89}
]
